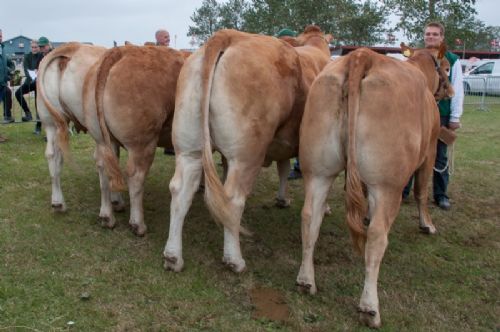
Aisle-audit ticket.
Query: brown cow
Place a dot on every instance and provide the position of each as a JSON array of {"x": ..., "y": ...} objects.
[
  {"x": 134, "y": 89},
  {"x": 249, "y": 91},
  {"x": 377, "y": 118},
  {"x": 59, "y": 99}
]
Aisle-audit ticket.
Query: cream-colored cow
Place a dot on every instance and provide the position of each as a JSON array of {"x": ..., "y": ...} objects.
[
  {"x": 242, "y": 95},
  {"x": 59, "y": 100},
  {"x": 132, "y": 91},
  {"x": 376, "y": 118}
]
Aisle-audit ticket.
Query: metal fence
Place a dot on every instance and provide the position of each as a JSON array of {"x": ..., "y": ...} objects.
[{"x": 482, "y": 91}]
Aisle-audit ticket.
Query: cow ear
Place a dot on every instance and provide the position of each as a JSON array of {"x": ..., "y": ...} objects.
[
  {"x": 328, "y": 38},
  {"x": 442, "y": 50},
  {"x": 406, "y": 50}
]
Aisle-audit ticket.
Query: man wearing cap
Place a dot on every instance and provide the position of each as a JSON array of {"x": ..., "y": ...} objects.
[
  {"x": 30, "y": 65},
  {"x": 287, "y": 35},
  {"x": 45, "y": 48}
]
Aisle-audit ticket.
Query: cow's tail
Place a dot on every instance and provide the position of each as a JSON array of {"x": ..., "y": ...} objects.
[
  {"x": 64, "y": 55},
  {"x": 359, "y": 64},
  {"x": 217, "y": 200},
  {"x": 111, "y": 163}
]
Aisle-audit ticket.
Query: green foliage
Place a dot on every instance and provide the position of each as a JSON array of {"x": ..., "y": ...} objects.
[
  {"x": 206, "y": 19},
  {"x": 349, "y": 21},
  {"x": 457, "y": 16}
]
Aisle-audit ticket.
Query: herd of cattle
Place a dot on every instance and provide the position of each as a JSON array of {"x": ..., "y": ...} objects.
[{"x": 254, "y": 99}]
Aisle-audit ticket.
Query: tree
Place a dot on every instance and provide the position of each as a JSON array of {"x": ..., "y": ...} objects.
[
  {"x": 457, "y": 16},
  {"x": 206, "y": 19},
  {"x": 231, "y": 14},
  {"x": 351, "y": 22}
]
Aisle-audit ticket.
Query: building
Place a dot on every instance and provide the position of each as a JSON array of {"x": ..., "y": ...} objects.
[{"x": 17, "y": 47}]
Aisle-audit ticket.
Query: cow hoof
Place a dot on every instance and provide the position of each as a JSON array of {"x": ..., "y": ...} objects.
[
  {"x": 58, "y": 207},
  {"x": 173, "y": 263},
  {"x": 236, "y": 265},
  {"x": 118, "y": 206},
  {"x": 282, "y": 203},
  {"x": 138, "y": 229},
  {"x": 428, "y": 230},
  {"x": 306, "y": 288},
  {"x": 107, "y": 222},
  {"x": 370, "y": 318}
]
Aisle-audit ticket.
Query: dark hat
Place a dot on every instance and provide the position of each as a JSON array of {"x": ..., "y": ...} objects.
[
  {"x": 286, "y": 32},
  {"x": 42, "y": 41}
]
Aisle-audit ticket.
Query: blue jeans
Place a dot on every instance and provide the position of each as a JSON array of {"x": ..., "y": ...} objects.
[{"x": 439, "y": 179}]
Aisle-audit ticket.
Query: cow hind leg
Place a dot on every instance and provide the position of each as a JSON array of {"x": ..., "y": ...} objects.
[
  {"x": 385, "y": 209},
  {"x": 116, "y": 197},
  {"x": 421, "y": 192},
  {"x": 282, "y": 199},
  {"x": 106, "y": 212},
  {"x": 138, "y": 165},
  {"x": 316, "y": 191},
  {"x": 184, "y": 184},
  {"x": 55, "y": 160},
  {"x": 239, "y": 182}
]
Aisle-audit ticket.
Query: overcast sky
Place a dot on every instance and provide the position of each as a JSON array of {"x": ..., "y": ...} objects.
[{"x": 103, "y": 21}]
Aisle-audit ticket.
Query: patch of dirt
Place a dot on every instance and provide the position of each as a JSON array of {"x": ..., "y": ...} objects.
[{"x": 269, "y": 304}]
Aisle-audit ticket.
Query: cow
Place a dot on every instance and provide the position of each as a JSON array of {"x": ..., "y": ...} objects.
[
  {"x": 375, "y": 117},
  {"x": 59, "y": 101},
  {"x": 132, "y": 92},
  {"x": 246, "y": 94}
]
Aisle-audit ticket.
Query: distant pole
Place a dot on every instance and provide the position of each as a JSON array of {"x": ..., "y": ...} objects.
[
  {"x": 175, "y": 41},
  {"x": 463, "y": 52}
]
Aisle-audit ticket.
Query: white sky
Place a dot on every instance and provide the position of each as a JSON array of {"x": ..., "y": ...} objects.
[{"x": 102, "y": 21}]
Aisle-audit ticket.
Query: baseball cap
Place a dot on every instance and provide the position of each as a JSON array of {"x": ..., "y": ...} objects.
[{"x": 42, "y": 41}]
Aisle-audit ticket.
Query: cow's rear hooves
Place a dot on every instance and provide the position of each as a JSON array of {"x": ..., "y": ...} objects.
[
  {"x": 370, "y": 318},
  {"x": 428, "y": 230},
  {"x": 172, "y": 263},
  {"x": 306, "y": 288},
  {"x": 282, "y": 203},
  {"x": 235, "y": 266},
  {"x": 107, "y": 222},
  {"x": 138, "y": 230},
  {"x": 58, "y": 207}
]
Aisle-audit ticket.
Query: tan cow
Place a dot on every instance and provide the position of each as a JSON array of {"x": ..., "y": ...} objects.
[
  {"x": 248, "y": 91},
  {"x": 377, "y": 118},
  {"x": 59, "y": 100},
  {"x": 133, "y": 93}
]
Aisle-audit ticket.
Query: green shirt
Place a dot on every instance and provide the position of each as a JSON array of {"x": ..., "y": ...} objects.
[{"x": 445, "y": 104}]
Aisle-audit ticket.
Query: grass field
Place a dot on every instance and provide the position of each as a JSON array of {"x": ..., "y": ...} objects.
[{"x": 63, "y": 272}]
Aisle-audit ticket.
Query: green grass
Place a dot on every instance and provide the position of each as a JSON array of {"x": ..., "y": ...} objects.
[{"x": 57, "y": 268}]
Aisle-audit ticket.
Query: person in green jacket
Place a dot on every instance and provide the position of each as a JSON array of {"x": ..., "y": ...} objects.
[
  {"x": 6, "y": 69},
  {"x": 30, "y": 65},
  {"x": 450, "y": 111}
]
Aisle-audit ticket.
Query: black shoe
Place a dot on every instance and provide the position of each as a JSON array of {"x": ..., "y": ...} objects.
[
  {"x": 444, "y": 203},
  {"x": 8, "y": 119},
  {"x": 295, "y": 174},
  {"x": 37, "y": 131},
  {"x": 169, "y": 152},
  {"x": 27, "y": 118}
]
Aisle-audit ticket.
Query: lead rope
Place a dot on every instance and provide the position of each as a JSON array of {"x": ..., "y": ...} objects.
[{"x": 450, "y": 163}]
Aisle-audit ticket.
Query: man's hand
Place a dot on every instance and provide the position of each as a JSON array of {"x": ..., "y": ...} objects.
[{"x": 454, "y": 125}]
